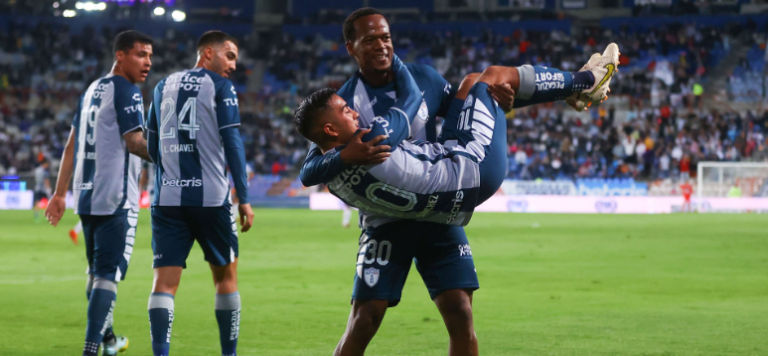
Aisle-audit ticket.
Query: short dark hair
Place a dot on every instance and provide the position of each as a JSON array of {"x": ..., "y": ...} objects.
[
  {"x": 215, "y": 37},
  {"x": 307, "y": 113},
  {"x": 349, "y": 23},
  {"x": 125, "y": 40}
]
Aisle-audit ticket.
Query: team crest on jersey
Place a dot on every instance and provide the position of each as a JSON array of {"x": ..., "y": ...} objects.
[
  {"x": 371, "y": 276},
  {"x": 468, "y": 102},
  {"x": 423, "y": 113}
]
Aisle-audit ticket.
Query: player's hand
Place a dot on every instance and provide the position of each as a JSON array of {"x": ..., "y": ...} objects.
[
  {"x": 359, "y": 153},
  {"x": 55, "y": 210},
  {"x": 246, "y": 216},
  {"x": 503, "y": 94}
]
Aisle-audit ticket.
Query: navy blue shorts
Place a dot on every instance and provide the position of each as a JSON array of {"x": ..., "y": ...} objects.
[
  {"x": 109, "y": 243},
  {"x": 442, "y": 254},
  {"x": 176, "y": 228}
]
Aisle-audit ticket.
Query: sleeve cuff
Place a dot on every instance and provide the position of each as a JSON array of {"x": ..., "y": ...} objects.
[{"x": 141, "y": 128}]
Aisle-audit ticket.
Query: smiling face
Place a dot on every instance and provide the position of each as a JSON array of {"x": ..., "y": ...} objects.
[
  {"x": 372, "y": 45},
  {"x": 135, "y": 62}
]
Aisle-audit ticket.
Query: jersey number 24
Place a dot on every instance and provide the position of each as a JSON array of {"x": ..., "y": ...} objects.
[{"x": 188, "y": 112}]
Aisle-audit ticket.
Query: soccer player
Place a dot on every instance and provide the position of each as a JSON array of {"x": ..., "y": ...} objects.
[
  {"x": 193, "y": 138},
  {"x": 422, "y": 181},
  {"x": 104, "y": 150},
  {"x": 42, "y": 186},
  {"x": 442, "y": 253}
]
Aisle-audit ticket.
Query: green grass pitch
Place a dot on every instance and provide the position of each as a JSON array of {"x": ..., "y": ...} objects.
[{"x": 550, "y": 285}]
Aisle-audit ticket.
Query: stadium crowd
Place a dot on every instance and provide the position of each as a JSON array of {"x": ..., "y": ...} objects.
[{"x": 662, "y": 133}]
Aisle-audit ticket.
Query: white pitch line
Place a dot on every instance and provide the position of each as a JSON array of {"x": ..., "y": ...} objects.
[{"x": 43, "y": 280}]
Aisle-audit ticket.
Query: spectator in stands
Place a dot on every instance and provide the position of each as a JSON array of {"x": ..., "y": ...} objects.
[{"x": 44, "y": 66}]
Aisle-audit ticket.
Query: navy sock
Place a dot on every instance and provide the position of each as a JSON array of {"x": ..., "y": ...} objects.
[
  {"x": 228, "y": 317},
  {"x": 109, "y": 334},
  {"x": 543, "y": 85},
  {"x": 100, "y": 307},
  {"x": 160, "y": 309}
]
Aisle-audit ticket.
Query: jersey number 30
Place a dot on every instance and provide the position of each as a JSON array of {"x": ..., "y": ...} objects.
[{"x": 188, "y": 112}]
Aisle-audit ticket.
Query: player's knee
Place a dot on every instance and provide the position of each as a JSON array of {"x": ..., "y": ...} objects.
[
  {"x": 166, "y": 280},
  {"x": 455, "y": 304},
  {"x": 466, "y": 85},
  {"x": 470, "y": 79}
]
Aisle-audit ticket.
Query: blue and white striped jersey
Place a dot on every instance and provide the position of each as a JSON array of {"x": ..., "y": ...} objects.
[
  {"x": 189, "y": 109},
  {"x": 106, "y": 177},
  {"x": 371, "y": 101},
  {"x": 421, "y": 180}
]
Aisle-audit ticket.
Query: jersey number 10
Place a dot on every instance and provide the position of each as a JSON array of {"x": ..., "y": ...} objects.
[{"x": 188, "y": 111}]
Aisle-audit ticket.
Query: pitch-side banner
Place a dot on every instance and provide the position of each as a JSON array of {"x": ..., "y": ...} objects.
[
  {"x": 590, "y": 204},
  {"x": 16, "y": 200},
  {"x": 573, "y": 4}
]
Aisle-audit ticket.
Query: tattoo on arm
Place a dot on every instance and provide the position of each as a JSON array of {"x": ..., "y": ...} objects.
[{"x": 137, "y": 145}]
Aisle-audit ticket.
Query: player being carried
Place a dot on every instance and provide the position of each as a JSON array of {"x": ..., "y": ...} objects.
[
  {"x": 388, "y": 246},
  {"x": 104, "y": 149},
  {"x": 424, "y": 181},
  {"x": 192, "y": 146}
]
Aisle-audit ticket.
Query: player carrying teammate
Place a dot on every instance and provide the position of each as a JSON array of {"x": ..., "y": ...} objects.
[
  {"x": 421, "y": 181},
  {"x": 193, "y": 138},
  {"x": 387, "y": 245},
  {"x": 104, "y": 150}
]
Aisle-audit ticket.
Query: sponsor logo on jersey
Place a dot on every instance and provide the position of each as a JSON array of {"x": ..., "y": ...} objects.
[
  {"x": 371, "y": 276},
  {"x": 457, "y": 201},
  {"x": 183, "y": 183},
  {"x": 83, "y": 186},
  {"x": 186, "y": 82},
  {"x": 348, "y": 178},
  {"x": 134, "y": 109},
  {"x": 86, "y": 155},
  {"x": 101, "y": 89}
]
